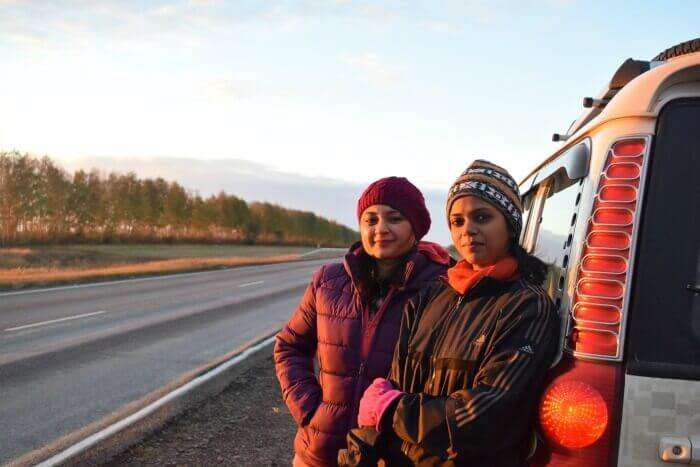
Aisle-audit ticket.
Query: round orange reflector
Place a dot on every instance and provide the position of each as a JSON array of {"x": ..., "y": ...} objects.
[{"x": 573, "y": 414}]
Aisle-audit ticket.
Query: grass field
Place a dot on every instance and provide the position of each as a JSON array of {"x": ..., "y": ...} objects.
[{"x": 60, "y": 264}]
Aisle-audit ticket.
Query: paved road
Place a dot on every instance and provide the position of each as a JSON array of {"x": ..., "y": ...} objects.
[{"x": 70, "y": 355}]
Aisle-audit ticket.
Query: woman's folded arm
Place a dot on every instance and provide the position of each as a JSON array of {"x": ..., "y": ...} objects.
[{"x": 470, "y": 420}]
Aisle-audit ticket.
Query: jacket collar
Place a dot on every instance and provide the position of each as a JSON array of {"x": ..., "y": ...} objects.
[{"x": 356, "y": 262}]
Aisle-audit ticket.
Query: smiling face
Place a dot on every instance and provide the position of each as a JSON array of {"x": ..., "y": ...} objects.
[
  {"x": 385, "y": 232},
  {"x": 479, "y": 231}
]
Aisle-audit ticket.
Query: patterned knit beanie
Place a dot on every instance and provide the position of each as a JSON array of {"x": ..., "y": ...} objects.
[
  {"x": 493, "y": 184},
  {"x": 401, "y": 195}
]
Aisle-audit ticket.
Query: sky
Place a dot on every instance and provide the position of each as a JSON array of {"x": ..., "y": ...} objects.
[{"x": 303, "y": 103}]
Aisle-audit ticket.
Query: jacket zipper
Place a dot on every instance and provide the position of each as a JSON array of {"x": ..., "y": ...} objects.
[
  {"x": 363, "y": 365},
  {"x": 453, "y": 310},
  {"x": 356, "y": 398}
]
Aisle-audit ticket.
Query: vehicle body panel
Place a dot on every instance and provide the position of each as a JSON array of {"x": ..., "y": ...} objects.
[{"x": 652, "y": 407}]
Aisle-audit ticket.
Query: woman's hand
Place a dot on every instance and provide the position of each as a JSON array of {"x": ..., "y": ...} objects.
[{"x": 375, "y": 401}]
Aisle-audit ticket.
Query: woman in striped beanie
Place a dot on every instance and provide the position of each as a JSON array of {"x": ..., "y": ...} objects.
[{"x": 472, "y": 350}]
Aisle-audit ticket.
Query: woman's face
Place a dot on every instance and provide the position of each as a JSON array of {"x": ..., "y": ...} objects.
[
  {"x": 385, "y": 232},
  {"x": 479, "y": 231}
]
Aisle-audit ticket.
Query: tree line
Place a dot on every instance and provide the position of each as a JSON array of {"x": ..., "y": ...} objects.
[{"x": 42, "y": 203}]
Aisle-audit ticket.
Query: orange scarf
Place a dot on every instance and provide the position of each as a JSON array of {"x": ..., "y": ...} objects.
[{"x": 462, "y": 277}]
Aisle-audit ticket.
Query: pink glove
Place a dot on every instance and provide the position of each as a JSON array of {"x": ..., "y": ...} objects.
[{"x": 376, "y": 399}]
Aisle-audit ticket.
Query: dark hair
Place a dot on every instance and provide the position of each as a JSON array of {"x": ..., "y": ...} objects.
[{"x": 530, "y": 267}]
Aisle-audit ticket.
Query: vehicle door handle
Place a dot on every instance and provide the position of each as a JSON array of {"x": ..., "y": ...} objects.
[
  {"x": 695, "y": 288},
  {"x": 679, "y": 449}
]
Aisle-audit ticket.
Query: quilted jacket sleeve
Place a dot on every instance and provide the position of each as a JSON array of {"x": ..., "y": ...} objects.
[
  {"x": 295, "y": 349},
  {"x": 470, "y": 421}
]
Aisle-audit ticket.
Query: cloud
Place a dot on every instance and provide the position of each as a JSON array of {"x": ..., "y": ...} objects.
[
  {"x": 203, "y": 3},
  {"x": 442, "y": 27},
  {"x": 560, "y": 3},
  {"x": 371, "y": 68},
  {"x": 26, "y": 40},
  {"x": 287, "y": 20},
  {"x": 165, "y": 10},
  {"x": 78, "y": 25},
  {"x": 229, "y": 89}
]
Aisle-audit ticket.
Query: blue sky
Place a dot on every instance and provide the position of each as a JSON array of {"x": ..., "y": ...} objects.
[{"x": 336, "y": 91}]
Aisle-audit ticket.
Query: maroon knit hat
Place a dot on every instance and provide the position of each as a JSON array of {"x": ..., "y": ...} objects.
[{"x": 401, "y": 195}]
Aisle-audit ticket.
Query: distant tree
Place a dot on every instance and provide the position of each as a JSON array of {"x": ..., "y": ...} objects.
[
  {"x": 79, "y": 216},
  {"x": 52, "y": 197},
  {"x": 19, "y": 195},
  {"x": 176, "y": 208},
  {"x": 39, "y": 201}
]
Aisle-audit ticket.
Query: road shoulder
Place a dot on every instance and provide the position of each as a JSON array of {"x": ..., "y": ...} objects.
[{"x": 246, "y": 424}]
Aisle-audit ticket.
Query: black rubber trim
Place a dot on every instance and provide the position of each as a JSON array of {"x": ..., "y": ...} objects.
[
  {"x": 684, "y": 48},
  {"x": 663, "y": 370}
]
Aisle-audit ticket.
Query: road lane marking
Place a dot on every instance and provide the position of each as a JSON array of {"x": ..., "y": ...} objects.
[
  {"x": 68, "y": 318},
  {"x": 153, "y": 278},
  {"x": 251, "y": 283},
  {"x": 145, "y": 417}
]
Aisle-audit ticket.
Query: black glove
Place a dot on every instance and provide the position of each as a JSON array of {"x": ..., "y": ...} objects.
[{"x": 362, "y": 448}]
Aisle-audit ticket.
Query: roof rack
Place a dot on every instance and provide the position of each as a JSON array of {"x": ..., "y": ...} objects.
[
  {"x": 625, "y": 73},
  {"x": 629, "y": 70}
]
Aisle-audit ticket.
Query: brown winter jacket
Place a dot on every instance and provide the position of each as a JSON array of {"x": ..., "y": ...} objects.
[{"x": 353, "y": 346}]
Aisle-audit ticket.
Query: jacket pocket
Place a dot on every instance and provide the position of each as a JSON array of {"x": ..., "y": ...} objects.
[{"x": 321, "y": 411}]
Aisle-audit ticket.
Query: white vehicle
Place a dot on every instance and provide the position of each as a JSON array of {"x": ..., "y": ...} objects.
[{"x": 616, "y": 210}]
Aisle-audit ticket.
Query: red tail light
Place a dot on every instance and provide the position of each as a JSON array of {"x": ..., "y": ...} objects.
[
  {"x": 603, "y": 274},
  {"x": 619, "y": 193},
  {"x": 623, "y": 171},
  {"x": 594, "y": 340},
  {"x": 598, "y": 313},
  {"x": 573, "y": 414},
  {"x": 608, "y": 240},
  {"x": 629, "y": 148},
  {"x": 612, "y": 264},
  {"x": 578, "y": 415}
]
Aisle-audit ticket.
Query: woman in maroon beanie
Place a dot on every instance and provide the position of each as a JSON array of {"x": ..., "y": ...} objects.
[{"x": 349, "y": 318}]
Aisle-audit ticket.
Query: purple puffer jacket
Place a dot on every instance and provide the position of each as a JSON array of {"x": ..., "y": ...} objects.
[{"x": 352, "y": 348}]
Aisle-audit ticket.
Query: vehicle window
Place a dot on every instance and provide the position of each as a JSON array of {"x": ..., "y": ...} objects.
[
  {"x": 536, "y": 198},
  {"x": 527, "y": 207},
  {"x": 664, "y": 314},
  {"x": 553, "y": 241}
]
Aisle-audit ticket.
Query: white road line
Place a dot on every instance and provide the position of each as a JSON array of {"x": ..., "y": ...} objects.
[
  {"x": 139, "y": 419},
  {"x": 251, "y": 283},
  {"x": 142, "y": 279},
  {"x": 27, "y": 326}
]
